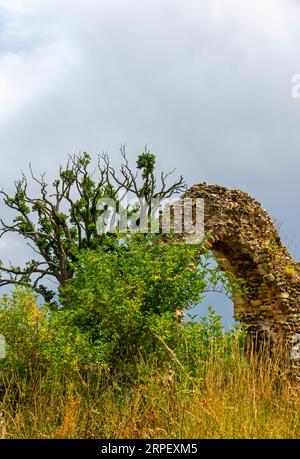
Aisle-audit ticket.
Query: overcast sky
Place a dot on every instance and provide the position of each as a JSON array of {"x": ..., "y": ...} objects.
[{"x": 206, "y": 84}]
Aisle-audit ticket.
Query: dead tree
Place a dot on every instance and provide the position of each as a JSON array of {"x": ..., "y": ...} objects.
[{"x": 62, "y": 220}]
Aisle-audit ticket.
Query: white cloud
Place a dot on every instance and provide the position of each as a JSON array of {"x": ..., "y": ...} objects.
[
  {"x": 26, "y": 77},
  {"x": 206, "y": 83}
]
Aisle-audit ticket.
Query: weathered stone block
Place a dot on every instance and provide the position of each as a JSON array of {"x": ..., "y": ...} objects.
[{"x": 256, "y": 302}]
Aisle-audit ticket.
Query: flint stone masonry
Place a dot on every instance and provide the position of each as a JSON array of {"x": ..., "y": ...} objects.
[{"x": 246, "y": 243}]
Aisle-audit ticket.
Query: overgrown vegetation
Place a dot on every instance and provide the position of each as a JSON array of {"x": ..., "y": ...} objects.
[
  {"x": 116, "y": 358},
  {"x": 117, "y": 361},
  {"x": 224, "y": 394},
  {"x": 122, "y": 306},
  {"x": 62, "y": 219}
]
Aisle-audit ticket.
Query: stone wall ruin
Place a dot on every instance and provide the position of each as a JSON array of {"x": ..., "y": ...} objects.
[{"x": 244, "y": 240}]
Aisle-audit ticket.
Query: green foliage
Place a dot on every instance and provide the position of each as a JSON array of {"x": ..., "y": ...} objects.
[
  {"x": 206, "y": 340},
  {"x": 40, "y": 341},
  {"x": 126, "y": 300},
  {"x": 62, "y": 219},
  {"x": 122, "y": 307},
  {"x": 21, "y": 323}
]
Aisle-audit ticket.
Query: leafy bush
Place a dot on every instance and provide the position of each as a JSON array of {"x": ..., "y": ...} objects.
[
  {"x": 23, "y": 325},
  {"x": 129, "y": 301},
  {"x": 122, "y": 307},
  {"x": 36, "y": 339}
]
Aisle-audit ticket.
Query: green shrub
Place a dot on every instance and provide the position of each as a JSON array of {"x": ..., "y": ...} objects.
[
  {"x": 126, "y": 300},
  {"x": 40, "y": 341},
  {"x": 120, "y": 309}
]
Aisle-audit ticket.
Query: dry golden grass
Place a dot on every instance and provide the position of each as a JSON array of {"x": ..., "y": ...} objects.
[{"x": 233, "y": 397}]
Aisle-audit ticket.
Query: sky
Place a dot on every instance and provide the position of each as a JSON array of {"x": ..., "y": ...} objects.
[{"x": 206, "y": 84}]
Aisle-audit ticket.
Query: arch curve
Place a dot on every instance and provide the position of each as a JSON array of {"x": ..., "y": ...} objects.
[{"x": 245, "y": 242}]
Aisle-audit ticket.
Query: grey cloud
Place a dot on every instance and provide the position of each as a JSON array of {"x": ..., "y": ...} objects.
[{"x": 205, "y": 84}]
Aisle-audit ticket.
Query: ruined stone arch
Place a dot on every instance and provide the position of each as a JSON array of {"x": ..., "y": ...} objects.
[{"x": 245, "y": 242}]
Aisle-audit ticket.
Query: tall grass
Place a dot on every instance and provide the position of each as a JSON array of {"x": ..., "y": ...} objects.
[{"x": 229, "y": 395}]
